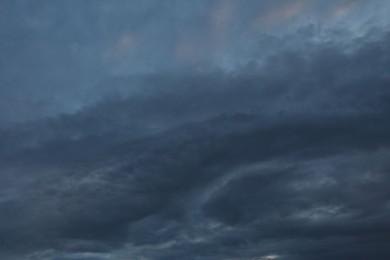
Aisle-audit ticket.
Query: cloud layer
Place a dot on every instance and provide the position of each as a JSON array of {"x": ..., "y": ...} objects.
[
  {"x": 61, "y": 56},
  {"x": 253, "y": 131}
]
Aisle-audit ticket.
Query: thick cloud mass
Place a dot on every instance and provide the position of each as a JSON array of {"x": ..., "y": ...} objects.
[{"x": 241, "y": 130}]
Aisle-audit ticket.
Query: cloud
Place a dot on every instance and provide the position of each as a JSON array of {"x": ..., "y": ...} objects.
[
  {"x": 64, "y": 50},
  {"x": 281, "y": 156},
  {"x": 280, "y": 14},
  {"x": 296, "y": 183}
]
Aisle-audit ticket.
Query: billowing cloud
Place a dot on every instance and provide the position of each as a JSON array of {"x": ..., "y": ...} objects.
[
  {"x": 194, "y": 130},
  {"x": 90, "y": 43}
]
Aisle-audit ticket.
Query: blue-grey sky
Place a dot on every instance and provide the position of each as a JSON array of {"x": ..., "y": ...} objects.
[
  {"x": 58, "y": 56},
  {"x": 194, "y": 129}
]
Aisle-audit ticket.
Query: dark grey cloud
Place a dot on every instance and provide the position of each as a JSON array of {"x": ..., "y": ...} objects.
[{"x": 194, "y": 130}]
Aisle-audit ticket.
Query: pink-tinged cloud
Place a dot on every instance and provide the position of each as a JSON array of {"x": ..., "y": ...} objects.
[
  {"x": 189, "y": 49},
  {"x": 221, "y": 19},
  {"x": 121, "y": 51},
  {"x": 126, "y": 43},
  {"x": 280, "y": 14},
  {"x": 343, "y": 10},
  {"x": 339, "y": 11}
]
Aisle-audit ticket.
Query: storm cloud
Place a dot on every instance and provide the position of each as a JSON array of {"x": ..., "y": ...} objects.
[{"x": 246, "y": 130}]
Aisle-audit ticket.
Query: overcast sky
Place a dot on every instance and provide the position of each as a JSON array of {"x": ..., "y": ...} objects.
[{"x": 194, "y": 129}]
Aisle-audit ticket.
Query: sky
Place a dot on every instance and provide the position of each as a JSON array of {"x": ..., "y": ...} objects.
[{"x": 194, "y": 129}]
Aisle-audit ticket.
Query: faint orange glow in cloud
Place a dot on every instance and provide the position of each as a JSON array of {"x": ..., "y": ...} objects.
[
  {"x": 344, "y": 9},
  {"x": 127, "y": 42},
  {"x": 280, "y": 14},
  {"x": 212, "y": 38},
  {"x": 339, "y": 11},
  {"x": 120, "y": 52},
  {"x": 221, "y": 18},
  {"x": 189, "y": 49}
]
